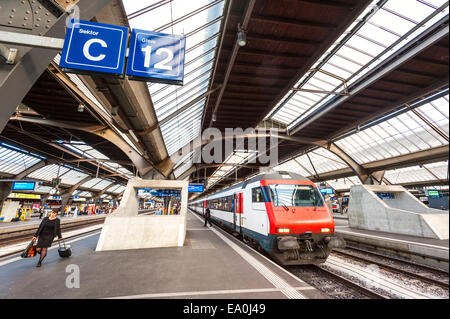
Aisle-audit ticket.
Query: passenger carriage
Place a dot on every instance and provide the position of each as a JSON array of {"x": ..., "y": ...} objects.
[{"x": 283, "y": 214}]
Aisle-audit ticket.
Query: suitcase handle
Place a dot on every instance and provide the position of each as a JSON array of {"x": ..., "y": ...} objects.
[{"x": 59, "y": 242}]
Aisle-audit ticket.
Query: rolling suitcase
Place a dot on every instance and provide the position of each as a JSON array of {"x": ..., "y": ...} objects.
[{"x": 64, "y": 251}]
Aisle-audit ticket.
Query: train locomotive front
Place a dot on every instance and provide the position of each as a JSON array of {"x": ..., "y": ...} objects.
[
  {"x": 302, "y": 229},
  {"x": 282, "y": 213}
]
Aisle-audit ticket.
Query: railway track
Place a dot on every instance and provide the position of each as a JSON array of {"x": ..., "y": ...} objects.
[
  {"x": 340, "y": 279},
  {"x": 55, "y": 241},
  {"x": 399, "y": 260},
  {"x": 26, "y": 235},
  {"x": 411, "y": 257},
  {"x": 396, "y": 267},
  {"x": 23, "y": 235},
  {"x": 332, "y": 284}
]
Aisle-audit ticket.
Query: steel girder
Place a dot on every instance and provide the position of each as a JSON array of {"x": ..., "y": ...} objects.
[{"x": 16, "y": 80}]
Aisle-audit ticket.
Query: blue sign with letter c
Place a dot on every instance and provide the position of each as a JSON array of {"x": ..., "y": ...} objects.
[
  {"x": 94, "y": 47},
  {"x": 157, "y": 57}
]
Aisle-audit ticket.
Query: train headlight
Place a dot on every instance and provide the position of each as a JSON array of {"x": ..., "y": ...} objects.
[
  {"x": 283, "y": 230},
  {"x": 325, "y": 230}
]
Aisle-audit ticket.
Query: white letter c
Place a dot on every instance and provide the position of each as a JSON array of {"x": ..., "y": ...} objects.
[{"x": 88, "y": 44}]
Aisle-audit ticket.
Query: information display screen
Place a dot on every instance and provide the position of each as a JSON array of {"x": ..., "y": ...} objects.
[
  {"x": 327, "y": 191},
  {"x": 434, "y": 193},
  {"x": 23, "y": 186},
  {"x": 159, "y": 192},
  {"x": 386, "y": 195},
  {"x": 196, "y": 188}
]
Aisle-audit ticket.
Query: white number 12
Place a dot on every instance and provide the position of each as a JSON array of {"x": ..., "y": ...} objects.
[{"x": 161, "y": 65}]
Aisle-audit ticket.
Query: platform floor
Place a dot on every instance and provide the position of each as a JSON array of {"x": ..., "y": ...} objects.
[
  {"x": 211, "y": 264},
  {"x": 429, "y": 251}
]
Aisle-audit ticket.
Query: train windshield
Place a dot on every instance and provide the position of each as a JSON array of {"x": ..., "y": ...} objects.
[{"x": 295, "y": 195}]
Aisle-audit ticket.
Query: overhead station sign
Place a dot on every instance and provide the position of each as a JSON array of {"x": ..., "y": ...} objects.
[
  {"x": 91, "y": 47},
  {"x": 156, "y": 56},
  {"x": 94, "y": 47}
]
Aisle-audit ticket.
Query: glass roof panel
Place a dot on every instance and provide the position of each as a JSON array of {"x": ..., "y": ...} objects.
[
  {"x": 42, "y": 189},
  {"x": 14, "y": 160},
  {"x": 113, "y": 188},
  {"x": 325, "y": 161},
  {"x": 47, "y": 173},
  {"x": 182, "y": 168},
  {"x": 403, "y": 134},
  {"x": 183, "y": 128},
  {"x": 200, "y": 22},
  {"x": 118, "y": 190},
  {"x": 364, "y": 50},
  {"x": 236, "y": 157},
  {"x": 89, "y": 152},
  {"x": 342, "y": 183},
  {"x": 408, "y": 175},
  {"x": 72, "y": 177},
  {"x": 91, "y": 183},
  {"x": 439, "y": 170},
  {"x": 292, "y": 166},
  {"x": 102, "y": 185},
  {"x": 85, "y": 194}
]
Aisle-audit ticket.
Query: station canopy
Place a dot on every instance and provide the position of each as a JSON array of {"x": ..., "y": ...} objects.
[
  {"x": 371, "y": 39},
  {"x": 375, "y": 35},
  {"x": 369, "y": 77}
]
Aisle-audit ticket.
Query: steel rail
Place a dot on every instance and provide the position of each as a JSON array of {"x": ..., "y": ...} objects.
[
  {"x": 423, "y": 267},
  {"x": 326, "y": 273},
  {"x": 348, "y": 283},
  {"x": 28, "y": 232},
  {"x": 396, "y": 270},
  {"x": 73, "y": 227},
  {"x": 65, "y": 238}
]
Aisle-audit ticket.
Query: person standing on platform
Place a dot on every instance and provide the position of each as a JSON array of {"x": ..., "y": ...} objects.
[
  {"x": 41, "y": 212},
  {"x": 49, "y": 228},
  {"x": 207, "y": 217}
]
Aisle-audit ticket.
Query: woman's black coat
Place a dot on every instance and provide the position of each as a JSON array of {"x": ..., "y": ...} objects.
[{"x": 57, "y": 227}]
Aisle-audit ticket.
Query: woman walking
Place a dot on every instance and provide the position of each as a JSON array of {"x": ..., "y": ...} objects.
[{"x": 47, "y": 231}]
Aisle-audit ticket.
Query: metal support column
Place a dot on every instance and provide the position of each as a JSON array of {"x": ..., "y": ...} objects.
[{"x": 16, "y": 80}]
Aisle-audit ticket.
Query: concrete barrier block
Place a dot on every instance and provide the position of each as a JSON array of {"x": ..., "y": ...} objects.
[
  {"x": 124, "y": 229},
  {"x": 401, "y": 214}
]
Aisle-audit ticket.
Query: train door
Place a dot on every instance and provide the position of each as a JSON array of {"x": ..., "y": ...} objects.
[{"x": 237, "y": 214}]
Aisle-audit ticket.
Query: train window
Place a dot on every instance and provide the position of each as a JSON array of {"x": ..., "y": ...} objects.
[
  {"x": 295, "y": 195},
  {"x": 228, "y": 204},
  {"x": 257, "y": 195},
  {"x": 223, "y": 203}
]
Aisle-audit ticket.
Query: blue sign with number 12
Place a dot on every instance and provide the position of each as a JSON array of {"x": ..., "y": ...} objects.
[{"x": 157, "y": 57}]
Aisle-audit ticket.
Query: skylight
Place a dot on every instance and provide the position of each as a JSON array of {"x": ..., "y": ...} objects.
[
  {"x": 228, "y": 166},
  {"x": 14, "y": 160},
  {"x": 200, "y": 22},
  {"x": 90, "y": 153},
  {"x": 370, "y": 40}
]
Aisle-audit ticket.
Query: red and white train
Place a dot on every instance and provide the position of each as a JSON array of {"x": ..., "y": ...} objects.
[{"x": 281, "y": 213}]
